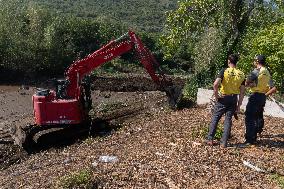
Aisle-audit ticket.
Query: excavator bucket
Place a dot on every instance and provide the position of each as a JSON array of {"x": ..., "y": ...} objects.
[
  {"x": 174, "y": 94},
  {"x": 18, "y": 135},
  {"x": 20, "y": 130}
]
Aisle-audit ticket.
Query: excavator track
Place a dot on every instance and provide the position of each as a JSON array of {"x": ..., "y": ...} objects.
[{"x": 33, "y": 137}]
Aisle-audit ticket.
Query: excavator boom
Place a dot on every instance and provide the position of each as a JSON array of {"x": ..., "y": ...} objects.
[{"x": 115, "y": 48}]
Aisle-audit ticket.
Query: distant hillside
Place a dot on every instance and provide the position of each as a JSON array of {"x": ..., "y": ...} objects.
[{"x": 145, "y": 15}]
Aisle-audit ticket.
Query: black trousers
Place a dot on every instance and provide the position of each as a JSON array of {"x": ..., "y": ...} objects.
[
  {"x": 226, "y": 105},
  {"x": 254, "y": 116}
]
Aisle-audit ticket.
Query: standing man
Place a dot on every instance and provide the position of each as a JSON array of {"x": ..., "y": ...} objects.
[
  {"x": 261, "y": 84},
  {"x": 232, "y": 83}
]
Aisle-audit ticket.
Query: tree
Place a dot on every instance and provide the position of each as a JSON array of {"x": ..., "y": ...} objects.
[
  {"x": 10, "y": 34},
  {"x": 21, "y": 42},
  {"x": 194, "y": 21},
  {"x": 269, "y": 42},
  {"x": 42, "y": 43}
]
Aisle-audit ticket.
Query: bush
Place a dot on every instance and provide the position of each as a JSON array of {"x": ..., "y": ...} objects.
[
  {"x": 279, "y": 179},
  {"x": 219, "y": 131},
  {"x": 202, "y": 132},
  {"x": 82, "y": 179},
  {"x": 190, "y": 89}
]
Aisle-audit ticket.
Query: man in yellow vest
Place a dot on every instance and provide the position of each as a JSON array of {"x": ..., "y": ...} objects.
[
  {"x": 232, "y": 82},
  {"x": 261, "y": 84}
]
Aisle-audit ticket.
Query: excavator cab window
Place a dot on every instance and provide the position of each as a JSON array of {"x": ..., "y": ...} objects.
[
  {"x": 86, "y": 93},
  {"x": 61, "y": 86}
]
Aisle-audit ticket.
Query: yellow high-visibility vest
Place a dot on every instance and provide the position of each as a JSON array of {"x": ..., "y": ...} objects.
[
  {"x": 263, "y": 82},
  {"x": 231, "y": 81}
]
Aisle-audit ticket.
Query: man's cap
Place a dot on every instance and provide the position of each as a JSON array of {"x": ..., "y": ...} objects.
[{"x": 260, "y": 58}]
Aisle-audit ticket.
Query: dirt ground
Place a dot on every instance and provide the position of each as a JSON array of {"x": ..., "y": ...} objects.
[{"x": 155, "y": 147}]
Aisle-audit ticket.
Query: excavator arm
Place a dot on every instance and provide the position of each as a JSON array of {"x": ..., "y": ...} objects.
[{"x": 127, "y": 42}]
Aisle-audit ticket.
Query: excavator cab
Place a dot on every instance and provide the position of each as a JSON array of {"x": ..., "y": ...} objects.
[{"x": 60, "y": 88}]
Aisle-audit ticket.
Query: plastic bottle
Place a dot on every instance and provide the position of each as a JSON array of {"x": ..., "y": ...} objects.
[{"x": 108, "y": 159}]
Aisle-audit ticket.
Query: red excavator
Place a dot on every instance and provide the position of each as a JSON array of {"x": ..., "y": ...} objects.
[{"x": 70, "y": 103}]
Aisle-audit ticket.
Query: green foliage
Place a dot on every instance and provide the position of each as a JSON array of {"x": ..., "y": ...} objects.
[
  {"x": 202, "y": 132},
  {"x": 218, "y": 135},
  {"x": 44, "y": 43},
  {"x": 10, "y": 38},
  {"x": 219, "y": 132},
  {"x": 198, "y": 35},
  {"x": 279, "y": 179},
  {"x": 147, "y": 15},
  {"x": 183, "y": 24},
  {"x": 199, "y": 27},
  {"x": 73, "y": 38},
  {"x": 195, "y": 81},
  {"x": 41, "y": 43},
  {"x": 190, "y": 89},
  {"x": 208, "y": 31},
  {"x": 270, "y": 42},
  {"x": 207, "y": 52},
  {"x": 278, "y": 4},
  {"x": 82, "y": 179}
]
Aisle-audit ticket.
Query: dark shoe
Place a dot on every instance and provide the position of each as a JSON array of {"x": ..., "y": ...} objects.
[
  {"x": 230, "y": 136},
  {"x": 247, "y": 145},
  {"x": 223, "y": 144}
]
